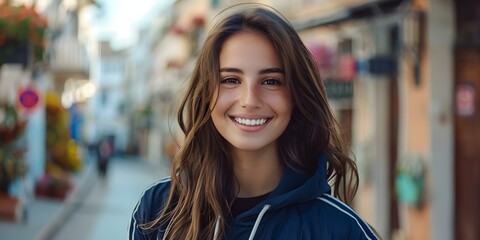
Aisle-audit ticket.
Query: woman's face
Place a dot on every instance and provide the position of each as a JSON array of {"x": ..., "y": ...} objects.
[{"x": 253, "y": 103}]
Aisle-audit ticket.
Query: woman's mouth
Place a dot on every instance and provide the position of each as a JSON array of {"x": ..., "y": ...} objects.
[{"x": 250, "y": 122}]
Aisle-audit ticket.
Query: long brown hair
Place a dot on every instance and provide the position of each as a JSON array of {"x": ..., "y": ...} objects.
[{"x": 201, "y": 179}]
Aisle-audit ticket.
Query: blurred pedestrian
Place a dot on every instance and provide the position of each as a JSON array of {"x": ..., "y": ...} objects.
[
  {"x": 260, "y": 146},
  {"x": 104, "y": 153}
]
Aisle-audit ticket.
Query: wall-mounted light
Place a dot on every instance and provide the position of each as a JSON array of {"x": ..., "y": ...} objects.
[{"x": 412, "y": 33}]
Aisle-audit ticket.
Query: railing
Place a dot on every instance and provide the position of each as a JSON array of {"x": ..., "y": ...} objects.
[{"x": 69, "y": 56}]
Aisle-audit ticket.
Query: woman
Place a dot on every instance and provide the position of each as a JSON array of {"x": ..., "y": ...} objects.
[{"x": 260, "y": 145}]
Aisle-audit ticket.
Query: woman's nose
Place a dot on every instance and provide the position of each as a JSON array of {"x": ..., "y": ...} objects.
[{"x": 250, "y": 96}]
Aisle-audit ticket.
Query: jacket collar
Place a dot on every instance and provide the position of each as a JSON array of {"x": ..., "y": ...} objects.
[{"x": 294, "y": 187}]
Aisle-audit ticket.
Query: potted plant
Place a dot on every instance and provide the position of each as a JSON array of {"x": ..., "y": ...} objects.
[
  {"x": 22, "y": 34},
  {"x": 12, "y": 167},
  {"x": 11, "y": 158},
  {"x": 12, "y": 162}
]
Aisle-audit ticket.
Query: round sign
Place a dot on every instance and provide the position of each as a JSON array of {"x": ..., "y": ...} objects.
[
  {"x": 28, "y": 98},
  {"x": 465, "y": 99}
]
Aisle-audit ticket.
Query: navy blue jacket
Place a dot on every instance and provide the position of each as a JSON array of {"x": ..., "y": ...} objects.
[{"x": 301, "y": 207}]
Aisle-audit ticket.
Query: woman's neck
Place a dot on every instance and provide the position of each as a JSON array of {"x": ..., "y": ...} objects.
[{"x": 257, "y": 173}]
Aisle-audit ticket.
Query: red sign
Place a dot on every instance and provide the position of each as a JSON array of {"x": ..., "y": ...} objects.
[
  {"x": 346, "y": 68},
  {"x": 28, "y": 98},
  {"x": 465, "y": 99}
]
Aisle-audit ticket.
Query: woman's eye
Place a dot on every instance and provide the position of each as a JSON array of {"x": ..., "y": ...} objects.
[
  {"x": 230, "y": 81},
  {"x": 271, "y": 81}
]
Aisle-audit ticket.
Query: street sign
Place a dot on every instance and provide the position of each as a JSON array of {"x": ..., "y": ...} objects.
[
  {"x": 28, "y": 98},
  {"x": 465, "y": 99}
]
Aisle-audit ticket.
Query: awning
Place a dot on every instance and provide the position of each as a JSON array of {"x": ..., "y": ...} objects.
[{"x": 362, "y": 11}]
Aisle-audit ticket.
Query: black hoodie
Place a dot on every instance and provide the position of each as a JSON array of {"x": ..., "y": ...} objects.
[{"x": 300, "y": 207}]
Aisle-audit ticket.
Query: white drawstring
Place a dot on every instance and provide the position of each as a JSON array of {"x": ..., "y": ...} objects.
[
  {"x": 217, "y": 225},
  {"x": 257, "y": 222},
  {"x": 255, "y": 226}
]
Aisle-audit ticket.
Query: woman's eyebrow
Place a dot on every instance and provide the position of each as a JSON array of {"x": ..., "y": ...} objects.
[
  {"x": 234, "y": 70},
  {"x": 263, "y": 71},
  {"x": 271, "y": 70}
]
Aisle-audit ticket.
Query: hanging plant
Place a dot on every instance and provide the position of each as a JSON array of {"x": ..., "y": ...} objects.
[
  {"x": 410, "y": 181},
  {"x": 11, "y": 125},
  {"x": 12, "y": 166},
  {"x": 21, "y": 28}
]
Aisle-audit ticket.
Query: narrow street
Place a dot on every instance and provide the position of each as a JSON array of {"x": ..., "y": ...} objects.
[
  {"x": 105, "y": 213},
  {"x": 401, "y": 79}
]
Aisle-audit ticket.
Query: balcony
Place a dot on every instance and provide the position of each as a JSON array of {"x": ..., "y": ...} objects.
[{"x": 69, "y": 58}]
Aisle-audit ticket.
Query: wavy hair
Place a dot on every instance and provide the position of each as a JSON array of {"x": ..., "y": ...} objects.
[{"x": 201, "y": 183}]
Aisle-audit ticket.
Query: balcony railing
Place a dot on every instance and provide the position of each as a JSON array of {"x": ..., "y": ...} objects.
[{"x": 69, "y": 57}]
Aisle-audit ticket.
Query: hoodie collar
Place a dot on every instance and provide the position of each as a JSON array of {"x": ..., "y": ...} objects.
[
  {"x": 294, "y": 187},
  {"x": 297, "y": 186}
]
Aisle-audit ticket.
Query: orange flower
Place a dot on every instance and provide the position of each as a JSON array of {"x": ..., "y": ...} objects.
[{"x": 23, "y": 24}]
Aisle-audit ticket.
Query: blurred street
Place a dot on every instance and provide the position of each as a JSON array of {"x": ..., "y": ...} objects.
[
  {"x": 88, "y": 79},
  {"x": 103, "y": 213}
]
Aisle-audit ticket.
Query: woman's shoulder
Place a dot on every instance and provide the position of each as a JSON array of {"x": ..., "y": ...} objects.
[
  {"x": 342, "y": 219},
  {"x": 159, "y": 186},
  {"x": 152, "y": 201}
]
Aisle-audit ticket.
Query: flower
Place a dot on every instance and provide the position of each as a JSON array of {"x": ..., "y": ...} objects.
[
  {"x": 12, "y": 163},
  {"x": 22, "y": 25},
  {"x": 11, "y": 125},
  {"x": 12, "y": 166}
]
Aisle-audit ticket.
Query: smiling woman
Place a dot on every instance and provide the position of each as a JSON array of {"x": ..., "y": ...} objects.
[
  {"x": 252, "y": 90},
  {"x": 261, "y": 145}
]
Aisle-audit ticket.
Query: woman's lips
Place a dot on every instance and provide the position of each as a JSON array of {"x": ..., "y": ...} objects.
[{"x": 250, "y": 122}]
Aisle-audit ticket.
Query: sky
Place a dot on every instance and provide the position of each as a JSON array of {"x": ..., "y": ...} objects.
[{"x": 119, "y": 20}]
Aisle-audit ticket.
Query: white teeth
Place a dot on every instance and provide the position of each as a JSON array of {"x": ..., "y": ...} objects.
[{"x": 251, "y": 122}]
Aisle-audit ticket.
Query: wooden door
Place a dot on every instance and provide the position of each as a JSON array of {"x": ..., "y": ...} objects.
[{"x": 467, "y": 143}]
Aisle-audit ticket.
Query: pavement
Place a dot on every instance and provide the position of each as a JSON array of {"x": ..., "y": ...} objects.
[{"x": 97, "y": 209}]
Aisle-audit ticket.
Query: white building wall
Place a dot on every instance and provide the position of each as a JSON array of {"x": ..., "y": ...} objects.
[
  {"x": 441, "y": 37},
  {"x": 105, "y": 116}
]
